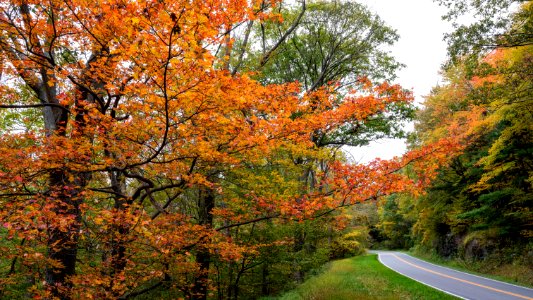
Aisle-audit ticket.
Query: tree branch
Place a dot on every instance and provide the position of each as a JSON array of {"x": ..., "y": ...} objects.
[{"x": 267, "y": 55}]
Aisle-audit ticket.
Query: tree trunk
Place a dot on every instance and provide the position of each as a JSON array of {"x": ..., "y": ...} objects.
[
  {"x": 307, "y": 185},
  {"x": 299, "y": 241},
  {"x": 206, "y": 203},
  {"x": 63, "y": 240},
  {"x": 264, "y": 280},
  {"x": 65, "y": 186}
]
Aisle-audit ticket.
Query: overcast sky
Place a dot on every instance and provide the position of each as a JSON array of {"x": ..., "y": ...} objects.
[{"x": 421, "y": 48}]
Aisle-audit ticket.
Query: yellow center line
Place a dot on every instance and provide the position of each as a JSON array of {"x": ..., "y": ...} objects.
[{"x": 462, "y": 280}]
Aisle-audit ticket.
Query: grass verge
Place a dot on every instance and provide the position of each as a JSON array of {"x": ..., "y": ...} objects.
[
  {"x": 361, "y": 277},
  {"x": 519, "y": 274}
]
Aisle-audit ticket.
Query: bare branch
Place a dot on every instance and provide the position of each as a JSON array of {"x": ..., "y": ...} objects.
[{"x": 282, "y": 39}]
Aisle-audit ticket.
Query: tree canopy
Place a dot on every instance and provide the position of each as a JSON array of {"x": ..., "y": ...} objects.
[{"x": 478, "y": 208}]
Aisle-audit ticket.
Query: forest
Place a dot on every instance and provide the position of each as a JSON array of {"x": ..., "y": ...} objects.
[{"x": 184, "y": 149}]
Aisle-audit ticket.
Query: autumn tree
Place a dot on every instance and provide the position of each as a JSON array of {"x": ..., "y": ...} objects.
[
  {"x": 266, "y": 47},
  {"x": 327, "y": 44},
  {"x": 335, "y": 44},
  {"x": 478, "y": 207}
]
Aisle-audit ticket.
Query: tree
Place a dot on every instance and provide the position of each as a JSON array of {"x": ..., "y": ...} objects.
[
  {"x": 337, "y": 42},
  {"x": 478, "y": 206},
  {"x": 395, "y": 222},
  {"x": 332, "y": 44},
  {"x": 498, "y": 24}
]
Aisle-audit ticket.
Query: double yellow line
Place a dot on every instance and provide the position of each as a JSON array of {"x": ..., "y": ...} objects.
[{"x": 462, "y": 280}]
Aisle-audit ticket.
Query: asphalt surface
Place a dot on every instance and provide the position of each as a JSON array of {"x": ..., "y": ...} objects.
[{"x": 456, "y": 283}]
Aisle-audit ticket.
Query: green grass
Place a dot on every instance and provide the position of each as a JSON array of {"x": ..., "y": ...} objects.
[{"x": 361, "y": 277}]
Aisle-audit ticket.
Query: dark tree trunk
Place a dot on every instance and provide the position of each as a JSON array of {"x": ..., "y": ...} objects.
[
  {"x": 264, "y": 280},
  {"x": 206, "y": 203},
  {"x": 65, "y": 187},
  {"x": 63, "y": 240},
  {"x": 120, "y": 229}
]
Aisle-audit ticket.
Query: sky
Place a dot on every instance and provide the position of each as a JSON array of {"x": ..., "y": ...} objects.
[{"x": 420, "y": 47}]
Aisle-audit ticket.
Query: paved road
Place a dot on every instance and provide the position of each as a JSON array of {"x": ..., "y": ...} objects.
[{"x": 459, "y": 284}]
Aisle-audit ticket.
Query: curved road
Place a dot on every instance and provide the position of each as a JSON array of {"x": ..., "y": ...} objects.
[{"x": 456, "y": 283}]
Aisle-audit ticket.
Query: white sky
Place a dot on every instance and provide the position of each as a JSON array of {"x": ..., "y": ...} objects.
[{"x": 420, "y": 47}]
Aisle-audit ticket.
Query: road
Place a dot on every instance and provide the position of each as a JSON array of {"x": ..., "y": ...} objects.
[{"x": 456, "y": 283}]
